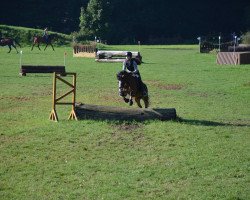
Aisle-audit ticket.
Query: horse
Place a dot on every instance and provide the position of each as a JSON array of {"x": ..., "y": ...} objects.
[
  {"x": 9, "y": 42},
  {"x": 39, "y": 39},
  {"x": 129, "y": 85}
]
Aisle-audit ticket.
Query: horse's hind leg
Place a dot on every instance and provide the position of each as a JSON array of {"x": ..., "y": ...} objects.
[
  {"x": 32, "y": 47},
  {"x": 15, "y": 48},
  {"x": 137, "y": 100},
  {"x": 38, "y": 46},
  {"x": 146, "y": 101}
]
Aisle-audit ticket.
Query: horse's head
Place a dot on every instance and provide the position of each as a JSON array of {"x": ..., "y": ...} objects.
[
  {"x": 121, "y": 76},
  {"x": 52, "y": 36}
]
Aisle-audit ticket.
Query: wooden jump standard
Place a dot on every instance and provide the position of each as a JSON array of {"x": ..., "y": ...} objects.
[
  {"x": 55, "y": 100},
  {"x": 41, "y": 69}
]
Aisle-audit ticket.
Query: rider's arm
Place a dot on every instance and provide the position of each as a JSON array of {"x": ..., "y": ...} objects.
[
  {"x": 135, "y": 67},
  {"x": 124, "y": 66}
]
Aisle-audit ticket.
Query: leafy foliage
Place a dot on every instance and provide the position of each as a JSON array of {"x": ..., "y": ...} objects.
[
  {"x": 94, "y": 20},
  {"x": 246, "y": 38},
  {"x": 25, "y": 35}
]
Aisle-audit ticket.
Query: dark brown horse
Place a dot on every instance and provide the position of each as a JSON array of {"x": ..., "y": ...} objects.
[
  {"x": 129, "y": 85},
  {"x": 9, "y": 42},
  {"x": 39, "y": 39}
]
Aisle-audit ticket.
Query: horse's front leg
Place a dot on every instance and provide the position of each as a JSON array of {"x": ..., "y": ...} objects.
[
  {"x": 130, "y": 100},
  {"x": 137, "y": 100},
  {"x": 38, "y": 45},
  {"x": 45, "y": 47},
  {"x": 126, "y": 100},
  {"x": 52, "y": 46},
  {"x": 9, "y": 48}
]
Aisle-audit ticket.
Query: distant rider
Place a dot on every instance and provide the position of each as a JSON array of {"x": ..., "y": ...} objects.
[
  {"x": 130, "y": 66},
  {"x": 45, "y": 34}
]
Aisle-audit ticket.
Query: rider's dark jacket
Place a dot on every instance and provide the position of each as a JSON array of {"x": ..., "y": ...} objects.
[{"x": 130, "y": 66}]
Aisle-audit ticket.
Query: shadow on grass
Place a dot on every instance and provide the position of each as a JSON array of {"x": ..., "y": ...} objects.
[
  {"x": 96, "y": 112},
  {"x": 121, "y": 114},
  {"x": 207, "y": 123}
]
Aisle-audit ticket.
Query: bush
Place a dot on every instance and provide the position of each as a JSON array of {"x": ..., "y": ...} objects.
[
  {"x": 25, "y": 35},
  {"x": 246, "y": 38}
]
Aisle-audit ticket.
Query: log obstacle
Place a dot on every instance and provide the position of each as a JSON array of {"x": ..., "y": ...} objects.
[
  {"x": 233, "y": 58},
  {"x": 55, "y": 100},
  {"x": 41, "y": 69},
  {"x": 85, "y": 111},
  {"x": 88, "y": 51},
  {"x": 116, "y": 56},
  {"x": 239, "y": 48}
]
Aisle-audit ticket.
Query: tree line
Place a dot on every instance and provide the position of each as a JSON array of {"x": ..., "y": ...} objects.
[{"x": 120, "y": 21}]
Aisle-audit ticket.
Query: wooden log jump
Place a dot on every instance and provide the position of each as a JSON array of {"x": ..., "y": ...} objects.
[
  {"x": 116, "y": 56},
  {"x": 85, "y": 111},
  {"x": 41, "y": 69},
  {"x": 88, "y": 51},
  {"x": 55, "y": 100}
]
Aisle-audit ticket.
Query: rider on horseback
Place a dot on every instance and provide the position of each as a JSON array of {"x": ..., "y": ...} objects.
[
  {"x": 130, "y": 66},
  {"x": 45, "y": 34}
]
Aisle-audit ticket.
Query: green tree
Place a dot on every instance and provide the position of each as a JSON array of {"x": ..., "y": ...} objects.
[
  {"x": 94, "y": 20},
  {"x": 85, "y": 30}
]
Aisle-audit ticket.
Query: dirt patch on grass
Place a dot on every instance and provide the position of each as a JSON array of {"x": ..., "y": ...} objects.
[
  {"x": 127, "y": 131},
  {"x": 6, "y": 139},
  {"x": 20, "y": 99},
  {"x": 246, "y": 84},
  {"x": 127, "y": 127},
  {"x": 166, "y": 86},
  {"x": 42, "y": 93}
]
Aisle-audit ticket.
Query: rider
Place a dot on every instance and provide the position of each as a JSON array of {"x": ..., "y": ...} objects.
[
  {"x": 130, "y": 66},
  {"x": 45, "y": 34}
]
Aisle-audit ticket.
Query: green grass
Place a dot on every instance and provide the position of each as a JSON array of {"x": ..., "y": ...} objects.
[{"x": 204, "y": 155}]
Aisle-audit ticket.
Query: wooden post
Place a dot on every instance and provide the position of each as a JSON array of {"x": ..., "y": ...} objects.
[
  {"x": 55, "y": 100},
  {"x": 73, "y": 113},
  {"x": 53, "y": 115}
]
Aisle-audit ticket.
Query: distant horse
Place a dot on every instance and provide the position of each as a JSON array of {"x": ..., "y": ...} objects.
[
  {"x": 129, "y": 84},
  {"x": 39, "y": 39},
  {"x": 9, "y": 42}
]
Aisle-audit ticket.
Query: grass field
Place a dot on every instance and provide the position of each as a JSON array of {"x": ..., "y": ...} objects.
[{"x": 204, "y": 155}]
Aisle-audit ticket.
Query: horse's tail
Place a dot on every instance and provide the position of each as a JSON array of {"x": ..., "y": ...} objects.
[{"x": 17, "y": 43}]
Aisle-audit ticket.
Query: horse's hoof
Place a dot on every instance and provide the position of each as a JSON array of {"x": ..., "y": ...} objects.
[
  {"x": 126, "y": 100},
  {"x": 130, "y": 103}
]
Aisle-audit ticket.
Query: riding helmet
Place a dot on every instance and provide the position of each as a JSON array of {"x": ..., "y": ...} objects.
[{"x": 129, "y": 54}]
